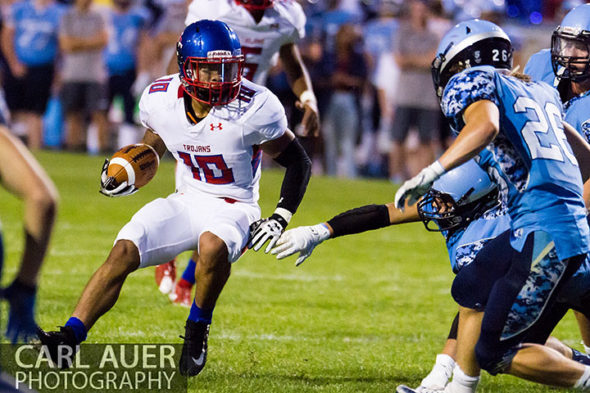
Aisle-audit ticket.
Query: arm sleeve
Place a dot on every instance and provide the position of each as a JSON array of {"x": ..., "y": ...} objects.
[
  {"x": 359, "y": 220},
  {"x": 298, "y": 170}
]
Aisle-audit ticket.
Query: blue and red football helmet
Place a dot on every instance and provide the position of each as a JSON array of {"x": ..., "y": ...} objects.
[{"x": 210, "y": 62}]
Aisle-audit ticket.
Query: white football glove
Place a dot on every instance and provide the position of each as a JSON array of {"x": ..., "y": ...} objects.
[
  {"x": 419, "y": 185},
  {"x": 108, "y": 186},
  {"x": 268, "y": 229},
  {"x": 302, "y": 240}
]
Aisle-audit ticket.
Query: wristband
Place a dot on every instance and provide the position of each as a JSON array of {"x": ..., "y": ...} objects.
[
  {"x": 437, "y": 168},
  {"x": 283, "y": 213},
  {"x": 307, "y": 96},
  {"x": 322, "y": 231}
]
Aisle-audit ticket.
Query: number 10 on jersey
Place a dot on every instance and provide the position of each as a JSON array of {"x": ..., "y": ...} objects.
[{"x": 210, "y": 169}]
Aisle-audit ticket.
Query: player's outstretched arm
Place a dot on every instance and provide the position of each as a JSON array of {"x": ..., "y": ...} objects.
[
  {"x": 21, "y": 175},
  {"x": 304, "y": 239},
  {"x": 301, "y": 85},
  {"x": 288, "y": 152}
]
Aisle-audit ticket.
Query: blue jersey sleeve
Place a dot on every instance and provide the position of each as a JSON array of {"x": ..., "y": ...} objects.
[
  {"x": 464, "y": 89},
  {"x": 577, "y": 113}
]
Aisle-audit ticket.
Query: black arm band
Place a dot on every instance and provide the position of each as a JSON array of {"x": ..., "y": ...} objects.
[
  {"x": 298, "y": 165},
  {"x": 360, "y": 219}
]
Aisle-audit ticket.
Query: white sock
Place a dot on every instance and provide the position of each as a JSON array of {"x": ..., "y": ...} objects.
[
  {"x": 584, "y": 382},
  {"x": 586, "y": 348},
  {"x": 462, "y": 383},
  {"x": 440, "y": 374}
]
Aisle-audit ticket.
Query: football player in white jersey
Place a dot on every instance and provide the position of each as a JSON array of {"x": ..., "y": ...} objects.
[
  {"x": 215, "y": 124},
  {"x": 267, "y": 29}
]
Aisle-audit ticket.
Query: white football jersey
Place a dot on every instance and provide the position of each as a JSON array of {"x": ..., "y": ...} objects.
[
  {"x": 220, "y": 155},
  {"x": 282, "y": 24}
]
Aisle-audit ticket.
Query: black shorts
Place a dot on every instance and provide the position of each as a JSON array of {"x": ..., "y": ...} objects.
[
  {"x": 31, "y": 92},
  {"x": 87, "y": 97},
  {"x": 425, "y": 119}
]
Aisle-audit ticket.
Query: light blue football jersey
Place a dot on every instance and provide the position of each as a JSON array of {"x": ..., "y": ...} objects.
[
  {"x": 530, "y": 158},
  {"x": 464, "y": 244},
  {"x": 577, "y": 110},
  {"x": 577, "y": 114},
  {"x": 36, "y": 32},
  {"x": 539, "y": 68}
]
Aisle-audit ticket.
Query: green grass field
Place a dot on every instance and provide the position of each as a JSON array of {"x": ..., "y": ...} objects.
[{"x": 363, "y": 314}]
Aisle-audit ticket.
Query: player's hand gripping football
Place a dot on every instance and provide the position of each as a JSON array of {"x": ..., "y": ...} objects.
[
  {"x": 266, "y": 229},
  {"x": 419, "y": 185},
  {"x": 302, "y": 240},
  {"x": 21, "y": 317},
  {"x": 110, "y": 188}
]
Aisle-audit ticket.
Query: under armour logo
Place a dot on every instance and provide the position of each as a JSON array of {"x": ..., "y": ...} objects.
[{"x": 213, "y": 126}]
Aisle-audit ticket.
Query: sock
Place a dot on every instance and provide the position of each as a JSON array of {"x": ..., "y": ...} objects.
[
  {"x": 440, "y": 374},
  {"x": 586, "y": 349},
  {"x": 198, "y": 315},
  {"x": 580, "y": 357},
  {"x": 189, "y": 273},
  {"x": 584, "y": 382},
  {"x": 462, "y": 383},
  {"x": 79, "y": 329}
]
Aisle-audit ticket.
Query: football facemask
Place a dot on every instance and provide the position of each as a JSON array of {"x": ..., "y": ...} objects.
[
  {"x": 215, "y": 80},
  {"x": 440, "y": 212},
  {"x": 570, "y": 55}
]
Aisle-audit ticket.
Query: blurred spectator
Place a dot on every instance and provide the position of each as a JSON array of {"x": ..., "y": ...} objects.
[
  {"x": 30, "y": 47},
  {"x": 319, "y": 68},
  {"x": 126, "y": 39},
  {"x": 82, "y": 38},
  {"x": 327, "y": 23},
  {"x": 163, "y": 38},
  {"x": 378, "y": 36},
  {"x": 414, "y": 49},
  {"x": 342, "y": 119}
]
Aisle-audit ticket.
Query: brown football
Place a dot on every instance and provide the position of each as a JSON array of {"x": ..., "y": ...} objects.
[{"x": 137, "y": 164}]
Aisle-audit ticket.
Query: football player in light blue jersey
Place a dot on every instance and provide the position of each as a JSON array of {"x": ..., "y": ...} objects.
[
  {"x": 566, "y": 66},
  {"x": 464, "y": 206},
  {"x": 518, "y": 126}
]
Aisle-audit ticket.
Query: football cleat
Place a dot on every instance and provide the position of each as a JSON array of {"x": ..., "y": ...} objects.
[
  {"x": 166, "y": 276},
  {"x": 194, "y": 350},
  {"x": 61, "y": 346},
  {"x": 181, "y": 295}
]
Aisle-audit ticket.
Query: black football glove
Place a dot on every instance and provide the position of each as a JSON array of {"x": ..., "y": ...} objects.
[
  {"x": 109, "y": 186},
  {"x": 267, "y": 229}
]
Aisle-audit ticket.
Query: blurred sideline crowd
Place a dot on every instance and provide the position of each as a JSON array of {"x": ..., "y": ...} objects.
[{"x": 72, "y": 73}]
